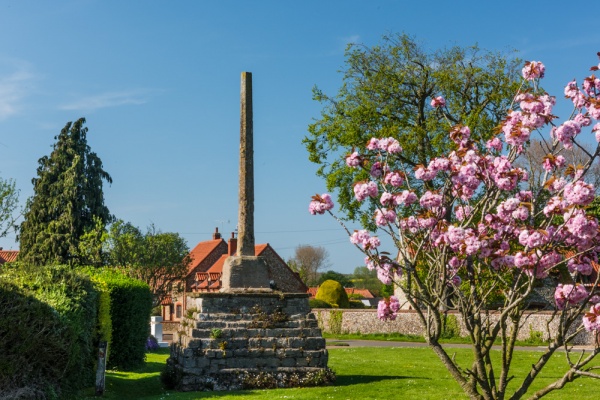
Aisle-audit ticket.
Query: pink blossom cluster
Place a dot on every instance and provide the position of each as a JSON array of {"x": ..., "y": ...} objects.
[
  {"x": 389, "y": 145},
  {"x": 384, "y": 216},
  {"x": 388, "y": 309},
  {"x": 551, "y": 162},
  {"x": 591, "y": 319},
  {"x": 438, "y": 102},
  {"x": 362, "y": 190},
  {"x": 364, "y": 239},
  {"x": 320, "y": 204},
  {"x": 565, "y": 295},
  {"x": 353, "y": 160},
  {"x": 533, "y": 70}
]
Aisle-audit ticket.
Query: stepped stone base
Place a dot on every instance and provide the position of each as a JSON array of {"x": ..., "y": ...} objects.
[{"x": 232, "y": 341}]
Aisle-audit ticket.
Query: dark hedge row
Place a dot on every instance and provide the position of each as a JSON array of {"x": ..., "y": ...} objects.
[
  {"x": 52, "y": 319},
  {"x": 47, "y": 332},
  {"x": 130, "y": 305}
]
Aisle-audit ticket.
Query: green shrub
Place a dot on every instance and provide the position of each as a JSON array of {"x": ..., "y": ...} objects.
[
  {"x": 314, "y": 303},
  {"x": 104, "y": 320},
  {"x": 47, "y": 325},
  {"x": 451, "y": 327},
  {"x": 356, "y": 304},
  {"x": 130, "y": 308},
  {"x": 333, "y": 293}
]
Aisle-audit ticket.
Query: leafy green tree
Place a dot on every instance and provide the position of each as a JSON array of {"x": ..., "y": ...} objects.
[
  {"x": 363, "y": 278},
  {"x": 344, "y": 280},
  {"x": 68, "y": 199},
  {"x": 160, "y": 259},
  {"x": 9, "y": 198},
  {"x": 387, "y": 91}
]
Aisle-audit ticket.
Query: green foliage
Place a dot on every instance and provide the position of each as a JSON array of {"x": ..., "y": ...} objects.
[
  {"x": 344, "y": 280},
  {"x": 67, "y": 200},
  {"x": 333, "y": 293},
  {"x": 130, "y": 305},
  {"x": 48, "y": 328},
  {"x": 104, "y": 324},
  {"x": 366, "y": 279},
  {"x": 336, "y": 317},
  {"x": 356, "y": 304},
  {"x": 386, "y": 290},
  {"x": 315, "y": 303},
  {"x": 386, "y": 92},
  {"x": 451, "y": 327},
  {"x": 157, "y": 258},
  {"x": 9, "y": 199}
]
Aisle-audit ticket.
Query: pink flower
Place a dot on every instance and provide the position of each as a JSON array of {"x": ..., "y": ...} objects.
[
  {"x": 373, "y": 144},
  {"x": 353, "y": 160},
  {"x": 591, "y": 320},
  {"x": 579, "y": 193},
  {"x": 387, "y": 309},
  {"x": 430, "y": 200},
  {"x": 406, "y": 198},
  {"x": 494, "y": 143},
  {"x": 364, "y": 190},
  {"x": 438, "y": 101},
  {"x": 569, "y": 295},
  {"x": 533, "y": 70},
  {"x": 394, "y": 178},
  {"x": 596, "y": 130},
  {"x": 385, "y": 216},
  {"x": 377, "y": 169},
  {"x": 390, "y": 145},
  {"x": 320, "y": 204}
]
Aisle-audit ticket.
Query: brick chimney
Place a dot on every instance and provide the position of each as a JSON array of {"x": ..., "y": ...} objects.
[
  {"x": 216, "y": 235},
  {"x": 232, "y": 244}
]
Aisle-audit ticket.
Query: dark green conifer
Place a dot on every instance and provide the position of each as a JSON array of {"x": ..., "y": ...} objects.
[{"x": 67, "y": 202}]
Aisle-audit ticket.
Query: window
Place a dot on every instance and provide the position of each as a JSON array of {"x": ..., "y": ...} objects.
[{"x": 178, "y": 313}]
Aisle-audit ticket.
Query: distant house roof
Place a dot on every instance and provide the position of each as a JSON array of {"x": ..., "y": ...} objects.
[
  {"x": 201, "y": 251},
  {"x": 366, "y": 293},
  {"x": 8, "y": 256}
]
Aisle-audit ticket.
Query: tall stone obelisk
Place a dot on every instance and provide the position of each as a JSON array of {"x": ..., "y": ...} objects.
[
  {"x": 246, "y": 191},
  {"x": 245, "y": 271}
]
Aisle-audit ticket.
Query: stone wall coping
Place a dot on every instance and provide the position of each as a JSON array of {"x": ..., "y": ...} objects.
[
  {"x": 373, "y": 310},
  {"x": 249, "y": 293}
]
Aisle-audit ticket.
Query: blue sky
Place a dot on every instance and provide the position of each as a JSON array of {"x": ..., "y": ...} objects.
[{"x": 159, "y": 83}]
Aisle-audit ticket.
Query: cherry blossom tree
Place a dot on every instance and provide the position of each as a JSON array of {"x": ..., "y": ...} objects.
[{"x": 465, "y": 229}]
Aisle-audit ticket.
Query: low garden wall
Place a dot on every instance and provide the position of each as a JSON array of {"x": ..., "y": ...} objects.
[{"x": 535, "y": 325}]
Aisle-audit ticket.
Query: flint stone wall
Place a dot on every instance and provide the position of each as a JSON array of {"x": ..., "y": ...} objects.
[{"x": 408, "y": 323}]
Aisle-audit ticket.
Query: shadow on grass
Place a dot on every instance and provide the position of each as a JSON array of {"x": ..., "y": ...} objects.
[{"x": 347, "y": 380}]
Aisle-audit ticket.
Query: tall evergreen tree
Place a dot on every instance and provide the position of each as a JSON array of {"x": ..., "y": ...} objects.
[{"x": 68, "y": 200}]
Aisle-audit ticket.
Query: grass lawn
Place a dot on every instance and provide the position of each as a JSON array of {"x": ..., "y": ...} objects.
[{"x": 362, "y": 373}]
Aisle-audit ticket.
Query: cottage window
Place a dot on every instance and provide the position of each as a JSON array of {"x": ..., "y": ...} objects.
[{"x": 178, "y": 313}]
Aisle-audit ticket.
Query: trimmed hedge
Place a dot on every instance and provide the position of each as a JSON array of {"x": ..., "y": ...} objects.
[
  {"x": 332, "y": 292},
  {"x": 47, "y": 332},
  {"x": 130, "y": 308}
]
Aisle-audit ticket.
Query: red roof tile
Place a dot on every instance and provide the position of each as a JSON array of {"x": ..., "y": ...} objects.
[
  {"x": 8, "y": 255},
  {"x": 201, "y": 251}
]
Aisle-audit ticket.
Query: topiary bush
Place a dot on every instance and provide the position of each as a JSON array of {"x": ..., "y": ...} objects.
[
  {"x": 333, "y": 293},
  {"x": 47, "y": 330},
  {"x": 130, "y": 307}
]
